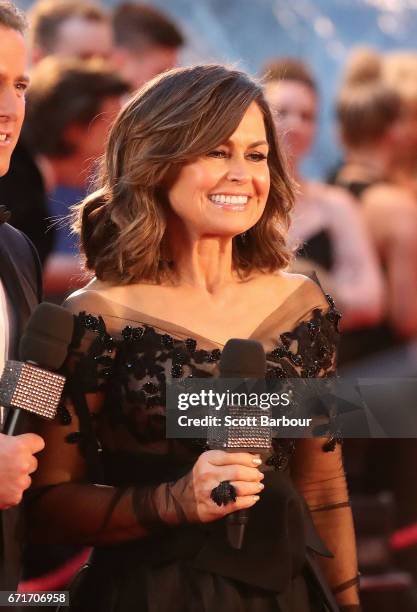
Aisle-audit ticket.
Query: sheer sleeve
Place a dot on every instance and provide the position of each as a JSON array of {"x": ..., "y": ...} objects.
[
  {"x": 68, "y": 501},
  {"x": 317, "y": 471}
]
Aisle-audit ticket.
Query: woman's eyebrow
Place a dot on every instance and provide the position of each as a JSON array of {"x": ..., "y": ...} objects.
[
  {"x": 252, "y": 145},
  {"x": 258, "y": 143}
]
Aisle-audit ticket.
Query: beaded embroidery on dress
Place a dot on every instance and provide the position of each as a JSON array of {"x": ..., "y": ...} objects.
[{"x": 132, "y": 364}]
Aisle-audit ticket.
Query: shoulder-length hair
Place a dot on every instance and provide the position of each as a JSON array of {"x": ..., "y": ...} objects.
[{"x": 175, "y": 118}]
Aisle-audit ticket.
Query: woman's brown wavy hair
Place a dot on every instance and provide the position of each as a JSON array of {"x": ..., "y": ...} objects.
[{"x": 175, "y": 118}]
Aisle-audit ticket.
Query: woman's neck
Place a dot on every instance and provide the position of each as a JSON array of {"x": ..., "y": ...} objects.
[{"x": 204, "y": 263}]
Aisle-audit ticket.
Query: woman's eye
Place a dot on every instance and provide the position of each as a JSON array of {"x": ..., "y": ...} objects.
[
  {"x": 217, "y": 153},
  {"x": 257, "y": 156}
]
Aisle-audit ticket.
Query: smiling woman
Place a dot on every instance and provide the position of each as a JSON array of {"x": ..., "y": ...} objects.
[
  {"x": 186, "y": 236},
  {"x": 170, "y": 121}
]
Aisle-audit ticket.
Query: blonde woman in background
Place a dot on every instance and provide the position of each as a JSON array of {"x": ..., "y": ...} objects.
[
  {"x": 399, "y": 71},
  {"x": 374, "y": 133},
  {"x": 377, "y": 128}
]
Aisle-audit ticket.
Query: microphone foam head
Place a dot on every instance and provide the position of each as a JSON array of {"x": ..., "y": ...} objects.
[
  {"x": 47, "y": 336},
  {"x": 243, "y": 359}
]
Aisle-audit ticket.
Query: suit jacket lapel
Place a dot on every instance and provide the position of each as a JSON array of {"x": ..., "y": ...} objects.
[{"x": 16, "y": 296}]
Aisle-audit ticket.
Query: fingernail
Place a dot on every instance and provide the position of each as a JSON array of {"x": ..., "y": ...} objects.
[
  {"x": 255, "y": 497},
  {"x": 262, "y": 476},
  {"x": 261, "y": 486},
  {"x": 257, "y": 461}
]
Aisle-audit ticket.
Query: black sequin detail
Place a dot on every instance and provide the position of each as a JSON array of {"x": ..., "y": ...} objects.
[
  {"x": 176, "y": 370},
  {"x": 179, "y": 357},
  {"x": 278, "y": 353},
  {"x": 286, "y": 339},
  {"x": 283, "y": 451},
  {"x": 132, "y": 370},
  {"x": 74, "y": 438},
  {"x": 91, "y": 323},
  {"x": 330, "y": 300},
  {"x": 296, "y": 359},
  {"x": 167, "y": 341},
  {"x": 213, "y": 356},
  {"x": 274, "y": 373},
  {"x": 130, "y": 333},
  {"x": 313, "y": 328},
  {"x": 150, "y": 388},
  {"x": 191, "y": 344}
]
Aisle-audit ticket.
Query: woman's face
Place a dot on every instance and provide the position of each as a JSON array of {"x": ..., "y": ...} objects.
[
  {"x": 224, "y": 192},
  {"x": 294, "y": 108}
]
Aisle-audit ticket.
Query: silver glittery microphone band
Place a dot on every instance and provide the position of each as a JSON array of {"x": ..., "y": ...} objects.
[
  {"x": 31, "y": 388},
  {"x": 246, "y": 436}
]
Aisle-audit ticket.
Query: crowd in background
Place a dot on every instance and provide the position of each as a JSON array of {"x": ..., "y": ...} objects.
[{"x": 357, "y": 230}]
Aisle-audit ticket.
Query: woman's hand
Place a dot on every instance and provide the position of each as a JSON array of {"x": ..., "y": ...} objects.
[
  {"x": 188, "y": 499},
  {"x": 193, "y": 492}
]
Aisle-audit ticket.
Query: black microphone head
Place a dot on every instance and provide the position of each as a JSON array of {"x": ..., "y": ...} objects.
[
  {"x": 243, "y": 359},
  {"x": 47, "y": 336}
]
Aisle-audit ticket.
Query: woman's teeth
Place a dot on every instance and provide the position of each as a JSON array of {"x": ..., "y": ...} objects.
[
  {"x": 228, "y": 199},
  {"x": 3, "y": 137}
]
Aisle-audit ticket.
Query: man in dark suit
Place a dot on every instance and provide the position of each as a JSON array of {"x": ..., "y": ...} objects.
[{"x": 20, "y": 291}]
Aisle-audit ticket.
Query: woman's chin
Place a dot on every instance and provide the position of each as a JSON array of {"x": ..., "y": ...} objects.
[
  {"x": 229, "y": 230},
  {"x": 231, "y": 223}
]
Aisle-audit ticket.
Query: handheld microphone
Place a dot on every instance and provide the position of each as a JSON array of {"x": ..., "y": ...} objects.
[
  {"x": 241, "y": 359},
  {"x": 31, "y": 384}
]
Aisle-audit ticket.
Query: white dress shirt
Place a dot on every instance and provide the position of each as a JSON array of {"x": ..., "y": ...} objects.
[{"x": 4, "y": 337}]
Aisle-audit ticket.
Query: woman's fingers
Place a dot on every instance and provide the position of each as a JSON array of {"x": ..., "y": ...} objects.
[
  {"x": 238, "y": 472},
  {"x": 246, "y": 501},
  {"x": 220, "y": 458},
  {"x": 247, "y": 488}
]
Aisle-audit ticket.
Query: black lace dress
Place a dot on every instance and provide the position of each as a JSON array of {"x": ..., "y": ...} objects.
[{"x": 118, "y": 443}]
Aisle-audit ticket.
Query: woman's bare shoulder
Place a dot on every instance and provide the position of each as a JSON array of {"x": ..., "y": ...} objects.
[
  {"x": 291, "y": 279},
  {"x": 307, "y": 288},
  {"x": 91, "y": 298},
  {"x": 387, "y": 197}
]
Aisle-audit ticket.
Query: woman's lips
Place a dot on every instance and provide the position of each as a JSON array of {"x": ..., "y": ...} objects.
[{"x": 232, "y": 202}]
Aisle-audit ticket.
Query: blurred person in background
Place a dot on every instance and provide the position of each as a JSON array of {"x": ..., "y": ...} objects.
[
  {"x": 70, "y": 108},
  {"x": 67, "y": 28},
  {"x": 70, "y": 28},
  {"x": 147, "y": 42},
  {"x": 325, "y": 221},
  {"x": 374, "y": 124},
  {"x": 370, "y": 123},
  {"x": 399, "y": 69},
  {"x": 374, "y": 132}
]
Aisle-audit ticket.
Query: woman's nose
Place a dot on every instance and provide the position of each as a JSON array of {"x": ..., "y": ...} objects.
[{"x": 238, "y": 171}]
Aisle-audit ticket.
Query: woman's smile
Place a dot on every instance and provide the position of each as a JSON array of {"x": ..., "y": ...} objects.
[{"x": 230, "y": 202}]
